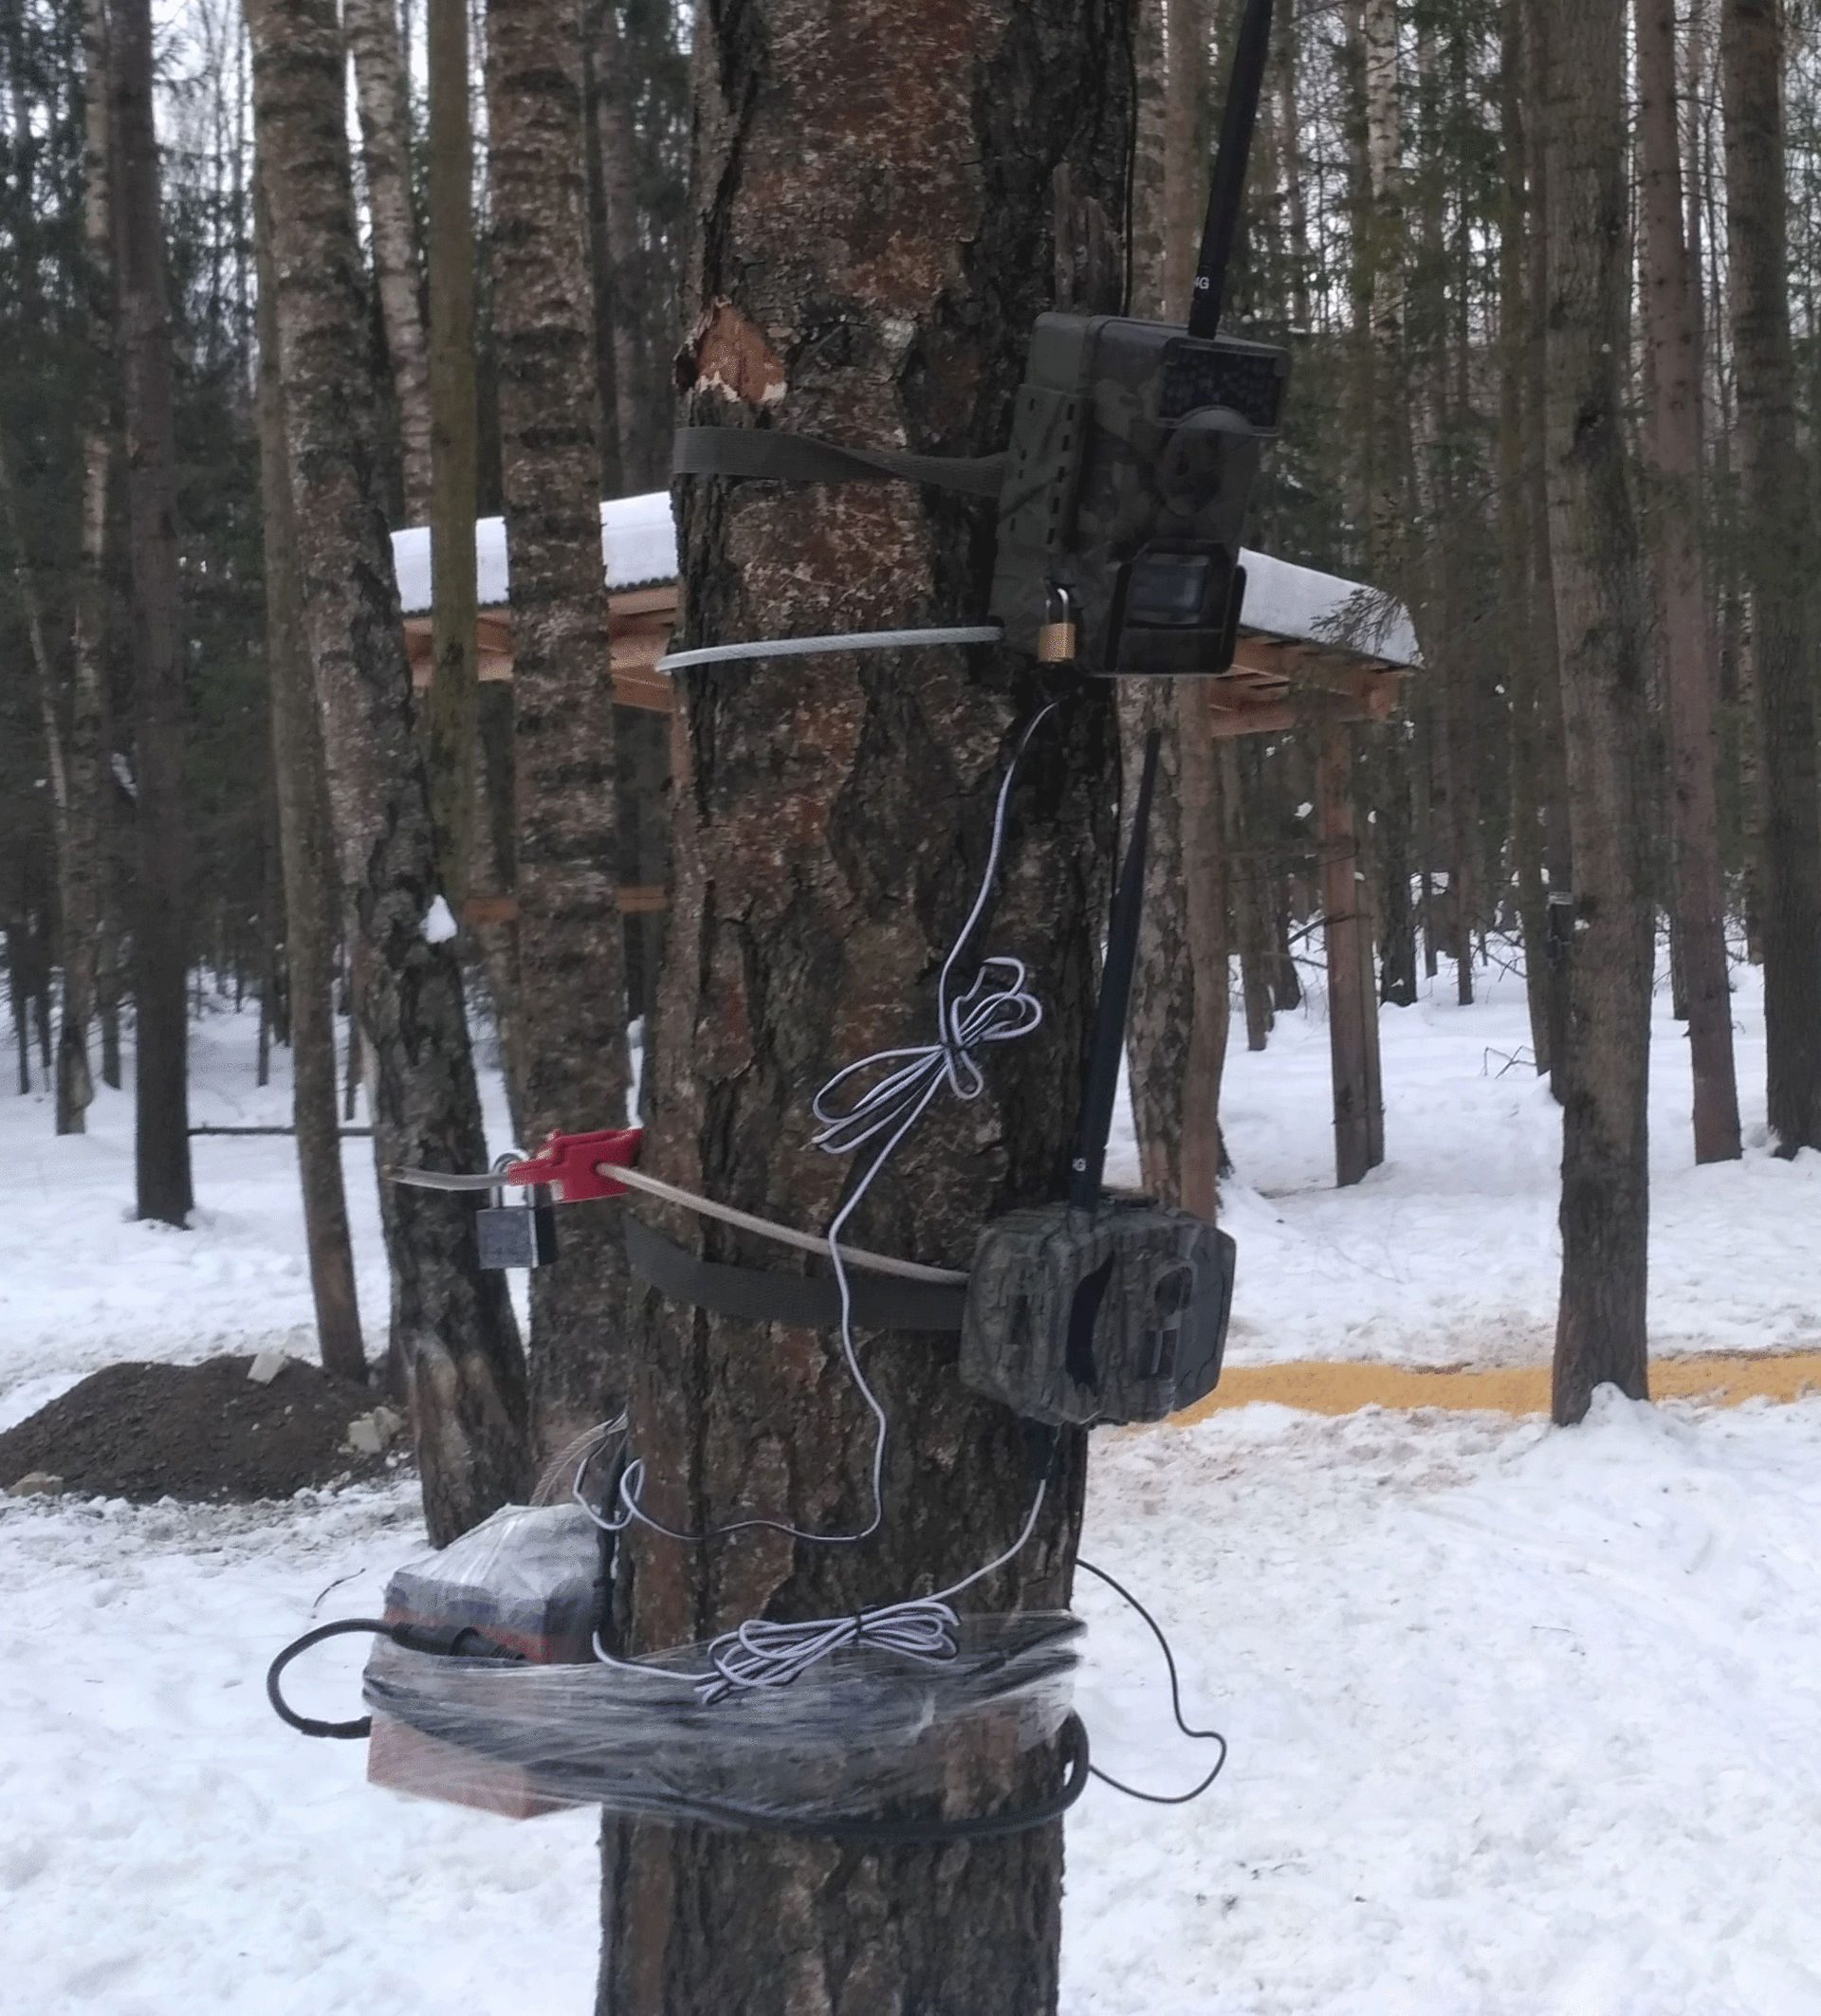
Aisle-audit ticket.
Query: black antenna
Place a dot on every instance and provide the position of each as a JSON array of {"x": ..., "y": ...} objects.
[
  {"x": 1109, "y": 1042},
  {"x": 1227, "y": 191}
]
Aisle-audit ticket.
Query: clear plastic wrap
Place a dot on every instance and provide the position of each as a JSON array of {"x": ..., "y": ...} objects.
[
  {"x": 528, "y": 1578},
  {"x": 849, "y": 1739}
]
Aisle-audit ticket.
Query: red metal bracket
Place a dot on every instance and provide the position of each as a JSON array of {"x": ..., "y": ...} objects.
[{"x": 570, "y": 1163}]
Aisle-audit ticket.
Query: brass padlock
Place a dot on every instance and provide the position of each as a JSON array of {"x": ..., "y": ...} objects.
[{"x": 1056, "y": 637}]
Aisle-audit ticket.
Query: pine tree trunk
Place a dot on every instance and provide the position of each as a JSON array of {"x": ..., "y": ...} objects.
[
  {"x": 1605, "y": 1210},
  {"x": 307, "y": 847},
  {"x": 372, "y": 29},
  {"x": 1185, "y": 171},
  {"x": 1517, "y": 594},
  {"x": 1701, "y": 903},
  {"x": 1290, "y": 140},
  {"x": 1149, "y": 173},
  {"x": 619, "y": 204},
  {"x": 877, "y": 219},
  {"x": 451, "y": 716},
  {"x": 1781, "y": 554},
  {"x": 452, "y": 1333},
  {"x": 1552, "y": 747},
  {"x": 607, "y": 313},
  {"x": 1177, "y": 1042},
  {"x": 161, "y": 1138},
  {"x": 81, "y": 858},
  {"x": 571, "y": 984}
]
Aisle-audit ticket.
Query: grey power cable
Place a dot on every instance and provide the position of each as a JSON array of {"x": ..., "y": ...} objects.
[
  {"x": 852, "y": 640},
  {"x": 761, "y": 1654}
]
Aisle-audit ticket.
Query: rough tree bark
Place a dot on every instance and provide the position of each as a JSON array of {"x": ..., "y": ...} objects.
[
  {"x": 1176, "y": 1041},
  {"x": 1552, "y": 745},
  {"x": 56, "y": 762},
  {"x": 1700, "y": 921},
  {"x": 161, "y": 1132},
  {"x": 1180, "y": 1006},
  {"x": 875, "y": 196},
  {"x": 378, "y": 53},
  {"x": 451, "y": 715},
  {"x": 1150, "y": 166},
  {"x": 1605, "y": 1210},
  {"x": 81, "y": 856},
  {"x": 452, "y": 1332},
  {"x": 1776, "y": 538},
  {"x": 1185, "y": 171},
  {"x": 1522, "y": 616},
  {"x": 571, "y": 987},
  {"x": 307, "y": 847},
  {"x": 618, "y": 278}
]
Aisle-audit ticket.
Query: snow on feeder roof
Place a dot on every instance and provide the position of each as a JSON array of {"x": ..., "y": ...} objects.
[
  {"x": 637, "y": 549},
  {"x": 1311, "y": 643}
]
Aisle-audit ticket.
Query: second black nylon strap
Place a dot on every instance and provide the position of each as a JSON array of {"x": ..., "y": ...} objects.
[
  {"x": 805, "y": 1302},
  {"x": 769, "y": 453}
]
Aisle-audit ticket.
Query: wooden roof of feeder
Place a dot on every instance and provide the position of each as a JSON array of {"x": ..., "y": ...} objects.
[{"x": 1312, "y": 647}]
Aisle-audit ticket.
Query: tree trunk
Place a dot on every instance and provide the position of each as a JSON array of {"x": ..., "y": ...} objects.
[
  {"x": 1177, "y": 1043},
  {"x": 372, "y": 29},
  {"x": 1151, "y": 268},
  {"x": 312, "y": 889},
  {"x": 594, "y": 109},
  {"x": 571, "y": 986},
  {"x": 1605, "y": 1210},
  {"x": 451, "y": 716},
  {"x": 1290, "y": 140},
  {"x": 161, "y": 1138},
  {"x": 1251, "y": 905},
  {"x": 1780, "y": 552},
  {"x": 31, "y": 613},
  {"x": 619, "y": 221},
  {"x": 81, "y": 858},
  {"x": 452, "y": 1333},
  {"x": 876, "y": 225},
  {"x": 1700, "y": 902},
  {"x": 1518, "y": 594},
  {"x": 1185, "y": 171},
  {"x": 1552, "y": 748}
]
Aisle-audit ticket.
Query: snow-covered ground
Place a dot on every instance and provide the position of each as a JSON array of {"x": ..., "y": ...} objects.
[
  {"x": 1523, "y": 1722},
  {"x": 1448, "y": 1253}
]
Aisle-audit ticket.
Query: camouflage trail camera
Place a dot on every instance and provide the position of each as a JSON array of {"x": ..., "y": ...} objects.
[{"x": 1133, "y": 449}]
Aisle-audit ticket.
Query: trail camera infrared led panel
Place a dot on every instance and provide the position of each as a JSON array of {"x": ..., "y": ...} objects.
[
  {"x": 1114, "y": 1312},
  {"x": 1133, "y": 451}
]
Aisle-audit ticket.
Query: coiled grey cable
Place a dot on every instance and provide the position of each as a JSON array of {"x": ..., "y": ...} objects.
[
  {"x": 986, "y": 1012},
  {"x": 761, "y": 1654}
]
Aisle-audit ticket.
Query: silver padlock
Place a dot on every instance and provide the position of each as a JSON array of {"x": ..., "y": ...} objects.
[{"x": 517, "y": 1234}]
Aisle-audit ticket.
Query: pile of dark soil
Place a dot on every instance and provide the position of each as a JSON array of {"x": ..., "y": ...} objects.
[{"x": 195, "y": 1432}]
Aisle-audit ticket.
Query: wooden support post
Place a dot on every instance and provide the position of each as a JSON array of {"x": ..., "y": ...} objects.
[{"x": 1353, "y": 997}]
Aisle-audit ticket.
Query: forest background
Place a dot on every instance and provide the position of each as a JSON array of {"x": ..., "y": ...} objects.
[{"x": 1397, "y": 245}]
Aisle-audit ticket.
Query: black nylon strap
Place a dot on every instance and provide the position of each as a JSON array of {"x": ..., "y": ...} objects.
[
  {"x": 801, "y": 458},
  {"x": 805, "y": 1302}
]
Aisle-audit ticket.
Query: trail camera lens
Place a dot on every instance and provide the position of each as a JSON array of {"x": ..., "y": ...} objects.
[{"x": 1168, "y": 590}]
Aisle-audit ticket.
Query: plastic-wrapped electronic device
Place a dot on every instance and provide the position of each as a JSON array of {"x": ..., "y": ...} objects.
[
  {"x": 1133, "y": 449},
  {"x": 861, "y": 1730},
  {"x": 1110, "y": 1312},
  {"x": 528, "y": 1579}
]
